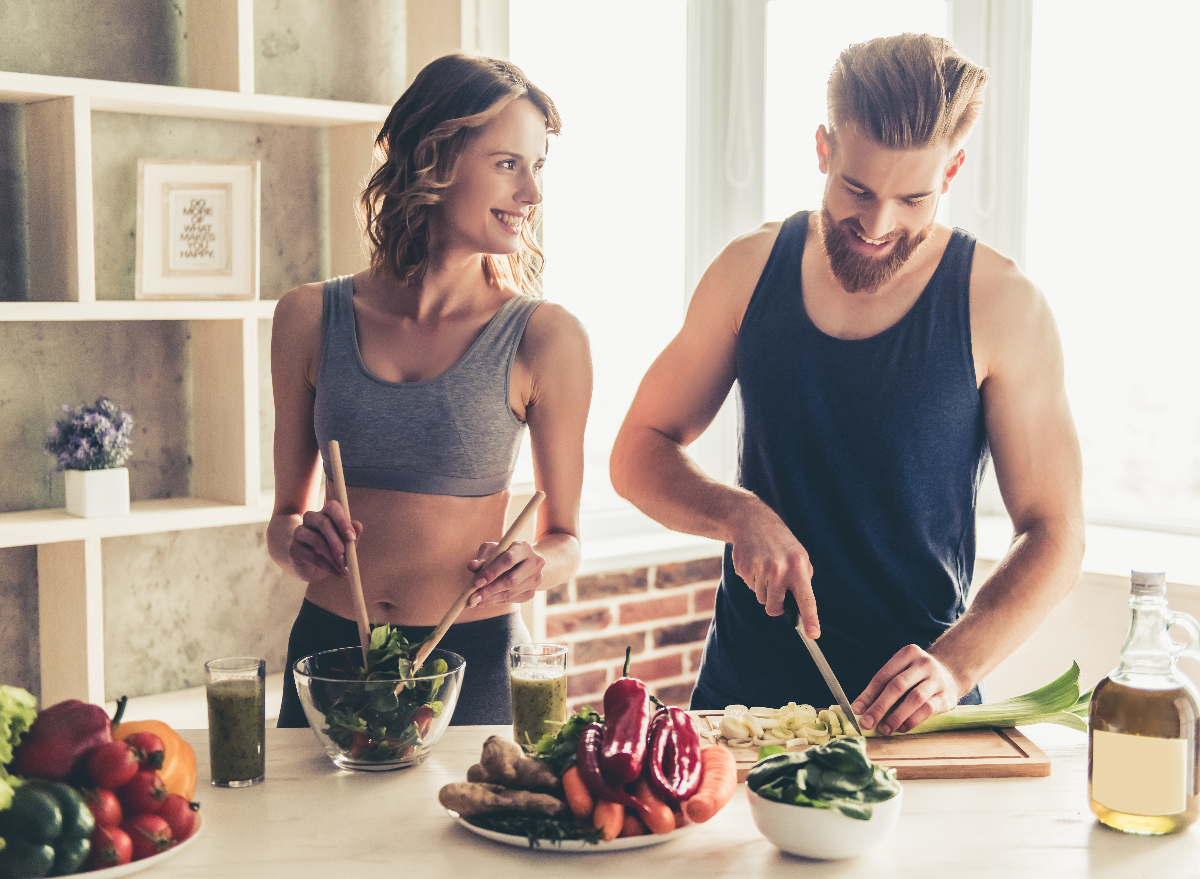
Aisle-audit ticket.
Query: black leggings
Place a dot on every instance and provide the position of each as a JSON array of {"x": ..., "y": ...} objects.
[{"x": 485, "y": 696}]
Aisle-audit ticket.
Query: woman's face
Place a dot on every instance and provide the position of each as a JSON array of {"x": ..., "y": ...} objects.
[{"x": 497, "y": 182}]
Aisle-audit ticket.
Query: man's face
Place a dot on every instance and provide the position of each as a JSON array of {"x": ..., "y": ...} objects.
[{"x": 879, "y": 204}]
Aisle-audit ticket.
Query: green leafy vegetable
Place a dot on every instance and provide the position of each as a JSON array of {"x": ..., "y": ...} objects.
[
  {"x": 17, "y": 710},
  {"x": 373, "y": 722},
  {"x": 559, "y": 750},
  {"x": 833, "y": 776},
  {"x": 535, "y": 828}
]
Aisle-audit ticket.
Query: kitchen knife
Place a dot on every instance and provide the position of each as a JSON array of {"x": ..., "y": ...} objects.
[{"x": 792, "y": 611}]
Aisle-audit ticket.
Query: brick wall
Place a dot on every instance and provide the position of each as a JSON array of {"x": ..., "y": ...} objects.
[{"x": 662, "y": 612}]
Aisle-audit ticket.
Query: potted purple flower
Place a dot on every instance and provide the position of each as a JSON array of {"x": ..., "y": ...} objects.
[{"x": 90, "y": 445}]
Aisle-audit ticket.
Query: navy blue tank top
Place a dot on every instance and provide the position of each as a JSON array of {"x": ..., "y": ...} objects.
[{"x": 871, "y": 451}]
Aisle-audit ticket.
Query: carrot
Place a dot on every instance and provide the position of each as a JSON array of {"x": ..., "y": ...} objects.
[
  {"x": 658, "y": 815},
  {"x": 579, "y": 798},
  {"x": 717, "y": 784},
  {"x": 632, "y": 826},
  {"x": 608, "y": 818}
]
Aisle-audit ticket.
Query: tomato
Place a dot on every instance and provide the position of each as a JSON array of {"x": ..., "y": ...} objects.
[
  {"x": 423, "y": 717},
  {"x": 144, "y": 792},
  {"x": 104, "y": 806},
  {"x": 149, "y": 834},
  {"x": 112, "y": 764},
  {"x": 111, "y": 847},
  {"x": 152, "y": 748},
  {"x": 180, "y": 814}
]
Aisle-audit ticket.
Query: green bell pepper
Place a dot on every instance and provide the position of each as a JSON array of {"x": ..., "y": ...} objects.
[{"x": 47, "y": 831}]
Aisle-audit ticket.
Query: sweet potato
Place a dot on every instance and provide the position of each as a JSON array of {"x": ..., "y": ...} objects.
[
  {"x": 505, "y": 763},
  {"x": 473, "y": 798}
]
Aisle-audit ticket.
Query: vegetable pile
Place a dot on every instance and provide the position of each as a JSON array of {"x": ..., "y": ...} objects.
[
  {"x": 836, "y": 775},
  {"x": 86, "y": 792},
  {"x": 630, "y": 772},
  {"x": 797, "y": 726},
  {"x": 375, "y": 723}
]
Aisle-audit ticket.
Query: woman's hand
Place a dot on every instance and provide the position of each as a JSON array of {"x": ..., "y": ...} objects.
[
  {"x": 514, "y": 576},
  {"x": 318, "y": 546}
]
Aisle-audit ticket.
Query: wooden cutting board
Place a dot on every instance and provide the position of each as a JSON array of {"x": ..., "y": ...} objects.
[{"x": 969, "y": 753}]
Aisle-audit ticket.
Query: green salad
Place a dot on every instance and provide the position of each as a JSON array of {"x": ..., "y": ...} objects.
[
  {"x": 374, "y": 722},
  {"x": 833, "y": 776}
]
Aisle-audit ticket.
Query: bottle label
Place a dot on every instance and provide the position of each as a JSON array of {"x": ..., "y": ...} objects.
[{"x": 1139, "y": 775}]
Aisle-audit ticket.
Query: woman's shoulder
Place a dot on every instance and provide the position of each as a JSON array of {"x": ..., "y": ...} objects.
[
  {"x": 552, "y": 326},
  {"x": 300, "y": 306}
]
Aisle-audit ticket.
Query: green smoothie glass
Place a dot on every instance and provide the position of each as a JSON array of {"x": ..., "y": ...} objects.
[
  {"x": 237, "y": 712},
  {"x": 538, "y": 673}
]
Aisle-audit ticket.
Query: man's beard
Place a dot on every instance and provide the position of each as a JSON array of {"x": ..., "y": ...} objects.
[{"x": 858, "y": 272}]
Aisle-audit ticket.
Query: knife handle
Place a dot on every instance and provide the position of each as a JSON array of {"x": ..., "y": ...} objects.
[{"x": 791, "y": 609}]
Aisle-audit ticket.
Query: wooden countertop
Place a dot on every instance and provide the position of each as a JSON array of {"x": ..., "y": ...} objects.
[{"x": 310, "y": 819}]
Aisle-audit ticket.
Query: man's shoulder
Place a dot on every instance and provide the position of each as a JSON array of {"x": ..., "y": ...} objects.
[
  {"x": 997, "y": 282},
  {"x": 740, "y": 263}
]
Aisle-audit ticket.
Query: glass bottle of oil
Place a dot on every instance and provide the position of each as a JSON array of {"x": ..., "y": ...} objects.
[{"x": 1144, "y": 723}]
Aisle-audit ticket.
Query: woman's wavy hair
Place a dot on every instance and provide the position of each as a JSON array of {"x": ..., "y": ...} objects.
[
  {"x": 907, "y": 91},
  {"x": 450, "y": 100}
]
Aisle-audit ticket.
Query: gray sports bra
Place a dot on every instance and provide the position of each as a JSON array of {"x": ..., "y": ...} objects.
[{"x": 451, "y": 435}]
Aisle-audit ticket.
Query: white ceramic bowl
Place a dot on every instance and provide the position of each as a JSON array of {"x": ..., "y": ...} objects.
[{"x": 823, "y": 833}]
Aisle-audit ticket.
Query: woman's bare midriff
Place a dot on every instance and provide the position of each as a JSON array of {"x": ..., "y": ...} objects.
[{"x": 413, "y": 556}]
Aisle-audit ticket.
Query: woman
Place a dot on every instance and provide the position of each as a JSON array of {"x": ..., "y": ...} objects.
[{"x": 426, "y": 368}]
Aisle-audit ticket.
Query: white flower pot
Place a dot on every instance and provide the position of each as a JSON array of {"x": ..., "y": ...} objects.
[{"x": 92, "y": 493}]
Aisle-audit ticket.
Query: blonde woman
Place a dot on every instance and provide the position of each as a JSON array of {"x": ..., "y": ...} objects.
[{"x": 427, "y": 368}]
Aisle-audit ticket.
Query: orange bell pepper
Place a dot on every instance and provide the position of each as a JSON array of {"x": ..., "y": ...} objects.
[{"x": 179, "y": 759}]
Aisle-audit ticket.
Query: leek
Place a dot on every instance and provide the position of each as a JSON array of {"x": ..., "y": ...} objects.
[{"x": 1060, "y": 701}]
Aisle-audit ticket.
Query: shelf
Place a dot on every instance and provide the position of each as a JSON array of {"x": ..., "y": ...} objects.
[
  {"x": 129, "y": 309},
  {"x": 36, "y": 527},
  {"x": 165, "y": 100}
]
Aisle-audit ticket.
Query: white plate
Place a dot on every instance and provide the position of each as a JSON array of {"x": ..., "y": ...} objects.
[
  {"x": 144, "y": 863},
  {"x": 575, "y": 845}
]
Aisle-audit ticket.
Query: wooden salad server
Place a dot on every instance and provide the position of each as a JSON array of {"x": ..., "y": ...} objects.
[
  {"x": 360, "y": 603},
  {"x": 458, "y": 606}
]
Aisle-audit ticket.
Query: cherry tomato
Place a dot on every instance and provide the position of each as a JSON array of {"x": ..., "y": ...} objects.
[
  {"x": 150, "y": 835},
  {"x": 423, "y": 717},
  {"x": 112, "y": 764},
  {"x": 104, "y": 806},
  {"x": 152, "y": 748},
  {"x": 144, "y": 792},
  {"x": 111, "y": 847},
  {"x": 180, "y": 814}
]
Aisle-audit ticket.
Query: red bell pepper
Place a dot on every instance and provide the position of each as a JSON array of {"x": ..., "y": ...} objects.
[
  {"x": 626, "y": 723},
  {"x": 587, "y": 758},
  {"x": 673, "y": 758},
  {"x": 61, "y": 737}
]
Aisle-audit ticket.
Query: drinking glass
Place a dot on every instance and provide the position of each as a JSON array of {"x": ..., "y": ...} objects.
[
  {"x": 538, "y": 674},
  {"x": 237, "y": 716}
]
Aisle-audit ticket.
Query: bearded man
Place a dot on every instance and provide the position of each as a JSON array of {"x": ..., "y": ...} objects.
[{"x": 880, "y": 358}]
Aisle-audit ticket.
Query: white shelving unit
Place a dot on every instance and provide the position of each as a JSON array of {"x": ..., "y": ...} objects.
[{"x": 226, "y": 479}]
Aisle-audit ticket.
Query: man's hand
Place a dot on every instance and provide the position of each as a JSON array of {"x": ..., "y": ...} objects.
[
  {"x": 769, "y": 558},
  {"x": 911, "y": 688}
]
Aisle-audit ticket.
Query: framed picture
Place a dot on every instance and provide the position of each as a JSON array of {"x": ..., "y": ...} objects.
[{"x": 197, "y": 230}]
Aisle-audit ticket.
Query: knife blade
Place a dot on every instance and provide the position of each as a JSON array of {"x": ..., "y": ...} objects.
[{"x": 792, "y": 611}]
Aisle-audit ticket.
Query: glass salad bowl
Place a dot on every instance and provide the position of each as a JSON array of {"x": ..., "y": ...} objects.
[{"x": 379, "y": 721}]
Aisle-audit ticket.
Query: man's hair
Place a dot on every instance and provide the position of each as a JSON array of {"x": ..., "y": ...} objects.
[
  {"x": 447, "y": 105},
  {"x": 906, "y": 92}
]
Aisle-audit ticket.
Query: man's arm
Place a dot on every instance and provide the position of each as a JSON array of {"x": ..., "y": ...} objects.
[
  {"x": 1035, "y": 450},
  {"x": 677, "y": 399}
]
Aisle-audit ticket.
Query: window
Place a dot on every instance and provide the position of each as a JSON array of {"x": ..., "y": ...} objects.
[
  {"x": 614, "y": 183},
  {"x": 1112, "y": 191}
]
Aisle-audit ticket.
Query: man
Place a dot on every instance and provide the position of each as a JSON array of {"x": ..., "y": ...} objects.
[{"x": 880, "y": 356}]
